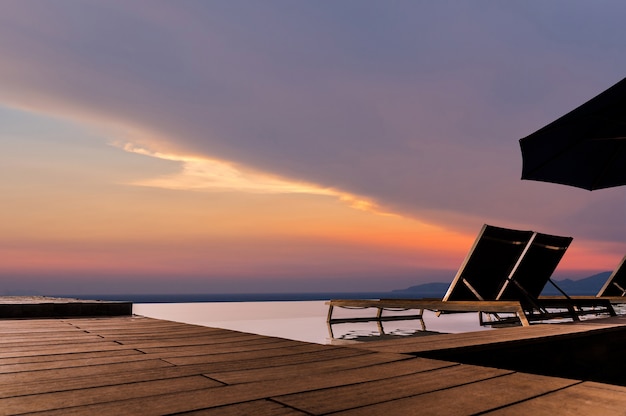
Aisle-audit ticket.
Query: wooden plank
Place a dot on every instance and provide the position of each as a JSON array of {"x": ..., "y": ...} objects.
[
  {"x": 41, "y": 350},
  {"x": 217, "y": 365},
  {"x": 64, "y": 382},
  {"x": 122, "y": 327},
  {"x": 92, "y": 370},
  {"x": 586, "y": 398},
  {"x": 373, "y": 392},
  {"x": 256, "y": 408},
  {"x": 128, "y": 324},
  {"x": 169, "y": 331},
  {"x": 351, "y": 370},
  {"x": 168, "y": 335},
  {"x": 135, "y": 324},
  {"x": 245, "y": 344},
  {"x": 61, "y": 400},
  {"x": 467, "y": 399},
  {"x": 204, "y": 340},
  {"x": 158, "y": 334},
  {"x": 310, "y": 381},
  {"x": 163, "y": 404},
  {"x": 263, "y": 354},
  {"x": 266, "y": 374},
  {"x": 219, "y": 348},
  {"x": 214, "y": 397},
  {"x": 28, "y": 327},
  {"x": 9, "y": 336},
  {"x": 71, "y": 363},
  {"x": 65, "y": 357},
  {"x": 74, "y": 338}
]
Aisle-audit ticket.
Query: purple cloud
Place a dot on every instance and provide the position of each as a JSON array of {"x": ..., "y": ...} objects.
[{"x": 416, "y": 105}]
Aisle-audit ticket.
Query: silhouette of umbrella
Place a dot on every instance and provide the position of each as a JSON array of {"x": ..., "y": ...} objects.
[{"x": 585, "y": 148}]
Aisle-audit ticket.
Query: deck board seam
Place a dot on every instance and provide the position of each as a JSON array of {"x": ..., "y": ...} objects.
[
  {"x": 104, "y": 402},
  {"x": 206, "y": 375},
  {"x": 364, "y": 406},
  {"x": 527, "y": 399},
  {"x": 304, "y": 412}
]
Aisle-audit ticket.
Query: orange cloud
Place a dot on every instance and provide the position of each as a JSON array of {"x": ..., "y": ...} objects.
[{"x": 206, "y": 174}]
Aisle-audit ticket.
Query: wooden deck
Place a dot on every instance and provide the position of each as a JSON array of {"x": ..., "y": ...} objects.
[{"x": 135, "y": 366}]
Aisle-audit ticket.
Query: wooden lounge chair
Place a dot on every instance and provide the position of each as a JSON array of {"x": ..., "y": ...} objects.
[
  {"x": 494, "y": 255},
  {"x": 537, "y": 260},
  {"x": 505, "y": 271},
  {"x": 534, "y": 270},
  {"x": 615, "y": 285},
  {"x": 510, "y": 265}
]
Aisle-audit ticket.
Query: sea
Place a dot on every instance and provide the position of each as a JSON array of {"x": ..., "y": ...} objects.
[{"x": 296, "y": 316}]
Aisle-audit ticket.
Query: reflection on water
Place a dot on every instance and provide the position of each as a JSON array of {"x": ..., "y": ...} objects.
[
  {"x": 376, "y": 330},
  {"x": 304, "y": 320}
]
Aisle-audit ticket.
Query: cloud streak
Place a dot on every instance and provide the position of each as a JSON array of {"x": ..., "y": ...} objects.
[{"x": 209, "y": 175}]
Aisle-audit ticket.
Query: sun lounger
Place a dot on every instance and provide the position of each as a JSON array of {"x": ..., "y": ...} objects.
[
  {"x": 435, "y": 305},
  {"x": 491, "y": 259},
  {"x": 513, "y": 265},
  {"x": 534, "y": 270},
  {"x": 505, "y": 271},
  {"x": 524, "y": 282}
]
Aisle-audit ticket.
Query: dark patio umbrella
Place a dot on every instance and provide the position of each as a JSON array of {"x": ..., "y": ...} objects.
[{"x": 585, "y": 148}]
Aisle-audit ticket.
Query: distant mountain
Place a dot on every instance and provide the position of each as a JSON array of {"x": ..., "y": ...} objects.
[
  {"x": 426, "y": 290},
  {"x": 588, "y": 286}
]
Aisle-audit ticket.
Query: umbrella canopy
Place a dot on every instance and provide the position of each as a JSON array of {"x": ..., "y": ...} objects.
[{"x": 585, "y": 148}]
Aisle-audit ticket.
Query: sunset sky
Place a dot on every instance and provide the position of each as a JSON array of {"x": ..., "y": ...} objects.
[{"x": 261, "y": 146}]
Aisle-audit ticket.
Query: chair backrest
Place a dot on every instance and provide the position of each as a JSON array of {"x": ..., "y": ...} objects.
[
  {"x": 535, "y": 267},
  {"x": 615, "y": 285},
  {"x": 489, "y": 262}
]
